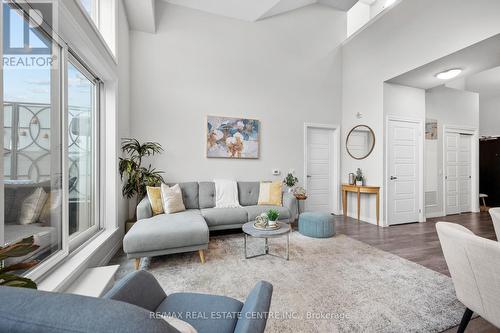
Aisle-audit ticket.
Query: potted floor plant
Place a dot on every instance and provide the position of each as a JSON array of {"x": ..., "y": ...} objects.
[{"x": 137, "y": 176}]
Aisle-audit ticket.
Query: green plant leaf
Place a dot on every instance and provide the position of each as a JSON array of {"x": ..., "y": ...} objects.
[
  {"x": 19, "y": 249},
  {"x": 19, "y": 266},
  {"x": 12, "y": 280},
  {"x": 135, "y": 177}
]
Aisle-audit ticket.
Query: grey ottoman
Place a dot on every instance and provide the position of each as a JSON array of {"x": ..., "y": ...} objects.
[{"x": 317, "y": 225}]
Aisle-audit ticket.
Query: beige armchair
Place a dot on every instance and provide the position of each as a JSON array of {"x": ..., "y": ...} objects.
[
  {"x": 474, "y": 265},
  {"x": 495, "y": 216}
]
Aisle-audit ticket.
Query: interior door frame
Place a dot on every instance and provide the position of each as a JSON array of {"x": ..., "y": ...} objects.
[
  {"x": 474, "y": 133},
  {"x": 420, "y": 195},
  {"x": 335, "y": 161}
]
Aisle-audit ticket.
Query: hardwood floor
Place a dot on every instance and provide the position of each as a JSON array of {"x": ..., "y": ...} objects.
[{"x": 418, "y": 242}]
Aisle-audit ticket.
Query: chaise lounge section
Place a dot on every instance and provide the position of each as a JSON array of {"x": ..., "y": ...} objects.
[{"x": 188, "y": 231}]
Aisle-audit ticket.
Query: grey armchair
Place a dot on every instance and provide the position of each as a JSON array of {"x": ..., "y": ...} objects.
[
  {"x": 131, "y": 306},
  {"x": 206, "y": 313},
  {"x": 495, "y": 216}
]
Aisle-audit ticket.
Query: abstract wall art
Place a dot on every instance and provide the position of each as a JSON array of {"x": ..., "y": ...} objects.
[{"x": 232, "y": 137}]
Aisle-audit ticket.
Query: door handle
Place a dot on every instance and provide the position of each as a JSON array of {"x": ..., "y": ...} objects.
[
  {"x": 393, "y": 178},
  {"x": 309, "y": 176}
]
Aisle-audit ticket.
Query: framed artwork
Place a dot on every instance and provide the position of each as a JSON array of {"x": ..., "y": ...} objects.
[
  {"x": 431, "y": 129},
  {"x": 232, "y": 137}
]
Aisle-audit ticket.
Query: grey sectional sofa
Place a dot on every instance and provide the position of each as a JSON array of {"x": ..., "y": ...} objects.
[{"x": 189, "y": 230}]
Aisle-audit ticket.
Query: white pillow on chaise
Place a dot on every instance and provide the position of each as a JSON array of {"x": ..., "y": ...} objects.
[{"x": 172, "y": 199}]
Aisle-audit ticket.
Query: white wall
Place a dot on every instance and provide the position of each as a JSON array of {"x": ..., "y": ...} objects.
[
  {"x": 402, "y": 101},
  {"x": 284, "y": 71},
  {"x": 357, "y": 17},
  {"x": 123, "y": 130},
  {"x": 449, "y": 107},
  {"x": 105, "y": 253},
  {"x": 397, "y": 43},
  {"x": 489, "y": 115}
]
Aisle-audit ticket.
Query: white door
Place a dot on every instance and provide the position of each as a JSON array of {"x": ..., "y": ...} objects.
[
  {"x": 458, "y": 173},
  {"x": 319, "y": 169},
  {"x": 403, "y": 154},
  {"x": 464, "y": 173},
  {"x": 451, "y": 176}
]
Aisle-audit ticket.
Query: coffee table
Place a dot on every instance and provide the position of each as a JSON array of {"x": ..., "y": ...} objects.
[{"x": 283, "y": 230}]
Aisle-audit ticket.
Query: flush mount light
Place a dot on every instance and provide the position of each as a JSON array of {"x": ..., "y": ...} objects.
[
  {"x": 449, "y": 74},
  {"x": 389, "y": 3}
]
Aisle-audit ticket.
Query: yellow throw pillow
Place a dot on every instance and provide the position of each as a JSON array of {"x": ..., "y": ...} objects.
[
  {"x": 154, "y": 196},
  {"x": 270, "y": 193},
  {"x": 172, "y": 199}
]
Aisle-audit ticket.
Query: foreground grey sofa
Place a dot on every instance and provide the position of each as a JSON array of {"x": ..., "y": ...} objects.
[
  {"x": 132, "y": 305},
  {"x": 189, "y": 230}
]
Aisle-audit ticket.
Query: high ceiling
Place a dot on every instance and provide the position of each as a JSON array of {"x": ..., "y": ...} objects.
[
  {"x": 472, "y": 60},
  {"x": 486, "y": 83},
  {"x": 254, "y": 10},
  {"x": 141, "y": 13}
]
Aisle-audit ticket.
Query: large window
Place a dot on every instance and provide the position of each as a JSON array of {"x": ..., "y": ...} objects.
[
  {"x": 51, "y": 140},
  {"x": 82, "y": 151}
]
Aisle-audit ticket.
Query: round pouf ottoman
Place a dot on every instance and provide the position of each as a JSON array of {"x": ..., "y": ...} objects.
[{"x": 316, "y": 225}]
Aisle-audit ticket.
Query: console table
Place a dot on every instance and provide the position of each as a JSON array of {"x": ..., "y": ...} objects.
[{"x": 360, "y": 189}]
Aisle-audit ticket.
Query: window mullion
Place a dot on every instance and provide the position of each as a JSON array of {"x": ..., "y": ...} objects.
[{"x": 64, "y": 146}]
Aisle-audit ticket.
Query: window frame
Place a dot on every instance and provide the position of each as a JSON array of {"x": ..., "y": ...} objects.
[
  {"x": 58, "y": 92},
  {"x": 84, "y": 236},
  {"x": 59, "y": 95}
]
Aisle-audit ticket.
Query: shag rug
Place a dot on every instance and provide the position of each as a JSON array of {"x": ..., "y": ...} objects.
[{"x": 329, "y": 285}]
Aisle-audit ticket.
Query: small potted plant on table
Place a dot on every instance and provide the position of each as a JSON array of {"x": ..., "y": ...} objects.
[
  {"x": 290, "y": 181},
  {"x": 359, "y": 177},
  {"x": 272, "y": 215}
]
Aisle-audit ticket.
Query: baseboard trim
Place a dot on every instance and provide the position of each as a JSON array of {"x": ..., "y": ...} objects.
[
  {"x": 111, "y": 254},
  {"x": 434, "y": 215}
]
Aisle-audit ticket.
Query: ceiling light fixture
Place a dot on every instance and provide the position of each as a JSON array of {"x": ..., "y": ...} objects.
[
  {"x": 389, "y": 3},
  {"x": 449, "y": 74}
]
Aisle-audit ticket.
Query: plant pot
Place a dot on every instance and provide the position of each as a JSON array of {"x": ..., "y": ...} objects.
[
  {"x": 272, "y": 224},
  {"x": 359, "y": 183},
  {"x": 290, "y": 189}
]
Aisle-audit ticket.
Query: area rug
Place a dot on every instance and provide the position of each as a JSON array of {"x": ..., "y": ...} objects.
[{"x": 328, "y": 285}]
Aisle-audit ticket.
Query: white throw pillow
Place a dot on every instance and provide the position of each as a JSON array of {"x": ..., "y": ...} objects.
[
  {"x": 172, "y": 199},
  {"x": 226, "y": 194},
  {"x": 179, "y": 325},
  {"x": 32, "y": 206},
  {"x": 51, "y": 207}
]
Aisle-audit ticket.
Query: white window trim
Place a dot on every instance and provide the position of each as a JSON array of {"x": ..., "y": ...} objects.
[
  {"x": 97, "y": 20},
  {"x": 82, "y": 35},
  {"x": 82, "y": 237}
]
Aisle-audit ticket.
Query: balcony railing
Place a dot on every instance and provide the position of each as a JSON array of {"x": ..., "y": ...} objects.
[{"x": 28, "y": 128}]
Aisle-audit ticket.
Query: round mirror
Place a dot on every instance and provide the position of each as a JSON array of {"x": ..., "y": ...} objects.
[{"x": 360, "y": 142}]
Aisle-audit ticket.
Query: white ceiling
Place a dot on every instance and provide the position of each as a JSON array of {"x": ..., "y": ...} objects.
[
  {"x": 254, "y": 10},
  {"x": 486, "y": 83},
  {"x": 473, "y": 59},
  {"x": 141, "y": 14}
]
